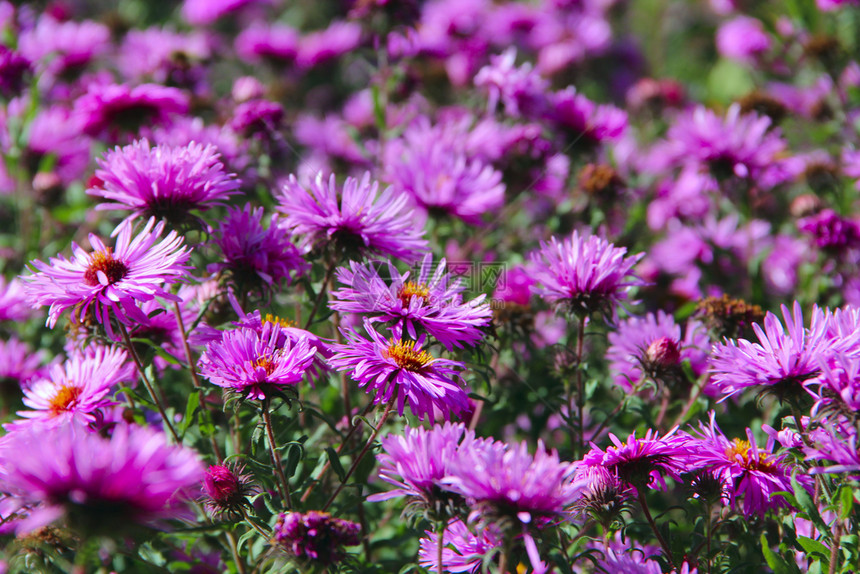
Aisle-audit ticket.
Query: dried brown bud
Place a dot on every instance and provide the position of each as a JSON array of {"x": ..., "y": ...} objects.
[
  {"x": 727, "y": 317},
  {"x": 764, "y": 105}
]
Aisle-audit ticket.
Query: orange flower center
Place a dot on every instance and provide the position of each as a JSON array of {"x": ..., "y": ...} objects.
[
  {"x": 65, "y": 398},
  {"x": 266, "y": 363},
  {"x": 103, "y": 261},
  {"x": 407, "y": 357},
  {"x": 412, "y": 289},
  {"x": 742, "y": 448}
]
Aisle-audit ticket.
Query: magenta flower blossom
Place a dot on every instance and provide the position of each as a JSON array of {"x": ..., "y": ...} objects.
[
  {"x": 315, "y": 536},
  {"x": 514, "y": 285},
  {"x": 96, "y": 485},
  {"x": 586, "y": 273},
  {"x": 583, "y": 118},
  {"x": 255, "y": 364},
  {"x": 743, "y": 39},
  {"x": 831, "y": 232},
  {"x": 520, "y": 89},
  {"x": 400, "y": 366},
  {"x": 14, "y": 70},
  {"x": 320, "y": 47},
  {"x": 14, "y": 303},
  {"x": 433, "y": 304},
  {"x": 164, "y": 56},
  {"x": 255, "y": 255},
  {"x": 750, "y": 472},
  {"x": 63, "y": 47},
  {"x": 463, "y": 550},
  {"x": 783, "y": 358},
  {"x": 837, "y": 442},
  {"x": 111, "y": 281},
  {"x": 637, "y": 344},
  {"x": 75, "y": 391},
  {"x": 56, "y": 133},
  {"x": 837, "y": 389},
  {"x": 355, "y": 218},
  {"x": 204, "y": 12},
  {"x": 119, "y": 108},
  {"x": 164, "y": 182},
  {"x": 258, "y": 119},
  {"x": 274, "y": 43},
  {"x": 18, "y": 364}
]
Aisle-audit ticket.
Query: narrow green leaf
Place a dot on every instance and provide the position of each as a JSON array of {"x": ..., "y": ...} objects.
[
  {"x": 776, "y": 562},
  {"x": 334, "y": 460},
  {"x": 846, "y": 501},
  {"x": 811, "y": 547},
  {"x": 807, "y": 505},
  {"x": 190, "y": 409}
]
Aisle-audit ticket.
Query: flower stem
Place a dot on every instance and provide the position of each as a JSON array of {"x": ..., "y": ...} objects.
[
  {"x": 237, "y": 560},
  {"x": 150, "y": 389},
  {"x": 254, "y": 525},
  {"x": 283, "y": 485},
  {"x": 663, "y": 543},
  {"x": 580, "y": 386},
  {"x": 364, "y": 450},
  {"x": 440, "y": 542}
]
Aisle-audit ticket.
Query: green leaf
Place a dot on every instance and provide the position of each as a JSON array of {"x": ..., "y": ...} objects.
[
  {"x": 334, "y": 460},
  {"x": 729, "y": 80},
  {"x": 811, "y": 547},
  {"x": 846, "y": 501},
  {"x": 190, "y": 409},
  {"x": 294, "y": 456},
  {"x": 776, "y": 562},
  {"x": 807, "y": 505}
]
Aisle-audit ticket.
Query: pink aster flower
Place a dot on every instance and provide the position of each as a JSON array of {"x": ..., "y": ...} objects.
[
  {"x": 96, "y": 485},
  {"x": 520, "y": 89},
  {"x": 75, "y": 391},
  {"x": 14, "y": 303},
  {"x": 463, "y": 550},
  {"x": 162, "y": 181},
  {"x": 355, "y": 218},
  {"x": 400, "y": 366},
  {"x": 18, "y": 364},
  {"x": 111, "y": 281},
  {"x": 119, "y": 108},
  {"x": 320, "y": 47},
  {"x": 586, "y": 273},
  {"x": 256, "y": 364},
  {"x": 274, "y": 43},
  {"x": 258, "y": 258},
  {"x": 62, "y": 47},
  {"x": 743, "y": 39},
  {"x": 205, "y": 12},
  {"x": 315, "y": 536},
  {"x": 750, "y": 472},
  {"x": 583, "y": 118},
  {"x": 784, "y": 357},
  {"x": 415, "y": 302}
]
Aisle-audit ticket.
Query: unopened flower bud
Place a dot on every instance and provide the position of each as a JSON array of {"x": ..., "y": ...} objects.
[{"x": 663, "y": 353}]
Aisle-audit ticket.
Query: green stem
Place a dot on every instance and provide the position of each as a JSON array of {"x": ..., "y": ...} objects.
[
  {"x": 653, "y": 525},
  {"x": 440, "y": 541},
  {"x": 283, "y": 485}
]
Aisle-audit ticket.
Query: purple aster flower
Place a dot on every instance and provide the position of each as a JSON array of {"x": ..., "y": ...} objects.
[
  {"x": 837, "y": 389},
  {"x": 259, "y": 119},
  {"x": 837, "y": 442},
  {"x": 63, "y": 47},
  {"x": 627, "y": 557},
  {"x": 330, "y": 136},
  {"x": 463, "y": 550},
  {"x": 274, "y": 43},
  {"x": 653, "y": 345},
  {"x": 18, "y": 365},
  {"x": 743, "y": 39},
  {"x": 355, "y": 218},
  {"x": 205, "y": 12},
  {"x": 256, "y": 364},
  {"x": 259, "y": 259},
  {"x": 638, "y": 462},
  {"x": 56, "y": 133},
  {"x": 75, "y": 391},
  {"x": 586, "y": 273},
  {"x": 433, "y": 304},
  {"x": 320, "y": 47},
  {"x": 401, "y": 367},
  {"x": 783, "y": 358},
  {"x": 831, "y": 232},
  {"x": 752, "y": 473},
  {"x": 315, "y": 536},
  {"x": 440, "y": 177},
  {"x": 165, "y": 57},
  {"x": 96, "y": 485},
  {"x": 508, "y": 485},
  {"x": 521, "y": 90},
  {"x": 163, "y": 182},
  {"x": 14, "y": 303},
  {"x": 583, "y": 118},
  {"x": 119, "y": 108},
  {"x": 112, "y": 281},
  {"x": 514, "y": 286},
  {"x": 14, "y": 68}
]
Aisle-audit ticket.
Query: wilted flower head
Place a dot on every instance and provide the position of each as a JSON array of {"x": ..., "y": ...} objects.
[
  {"x": 96, "y": 485},
  {"x": 402, "y": 367},
  {"x": 111, "y": 281},
  {"x": 727, "y": 317},
  {"x": 355, "y": 219},
  {"x": 163, "y": 181},
  {"x": 315, "y": 536},
  {"x": 414, "y": 301},
  {"x": 226, "y": 489},
  {"x": 586, "y": 274}
]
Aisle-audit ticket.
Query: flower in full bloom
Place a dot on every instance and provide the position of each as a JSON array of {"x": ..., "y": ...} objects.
[
  {"x": 463, "y": 550},
  {"x": 76, "y": 390},
  {"x": 18, "y": 364},
  {"x": 783, "y": 358},
  {"x": 315, "y": 536},
  {"x": 751, "y": 472},
  {"x": 111, "y": 281},
  {"x": 258, "y": 258},
  {"x": 403, "y": 368},
  {"x": 433, "y": 304},
  {"x": 96, "y": 485},
  {"x": 585, "y": 273},
  {"x": 162, "y": 181},
  {"x": 255, "y": 363},
  {"x": 355, "y": 218},
  {"x": 226, "y": 489},
  {"x": 14, "y": 304},
  {"x": 119, "y": 108}
]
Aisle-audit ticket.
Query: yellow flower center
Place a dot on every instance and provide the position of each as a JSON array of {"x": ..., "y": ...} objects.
[
  {"x": 412, "y": 289},
  {"x": 265, "y": 362},
  {"x": 103, "y": 261},
  {"x": 275, "y": 320},
  {"x": 742, "y": 448},
  {"x": 66, "y": 396},
  {"x": 407, "y": 357}
]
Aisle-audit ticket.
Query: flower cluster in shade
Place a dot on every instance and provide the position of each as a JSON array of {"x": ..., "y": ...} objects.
[
  {"x": 315, "y": 536},
  {"x": 95, "y": 485}
]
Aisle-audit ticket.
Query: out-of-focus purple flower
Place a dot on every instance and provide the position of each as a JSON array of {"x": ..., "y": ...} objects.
[
  {"x": 831, "y": 232},
  {"x": 584, "y": 119},
  {"x": 837, "y": 389},
  {"x": 630, "y": 348},
  {"x": 247, "y": 88},
  {"x": 415, "y": 301},
  {"x": 743, "y": 39},
  {"x": 584, "y": 272},
  {"x": 97, "y": 486},
  {"x": 401, "y": 367},
  {"x": 329, "y": 136},
  {"x": 164, "y": 56},
  {"x": 463, "y": 550},
  {"x": 162, "y": 181},
  {"x": 205, "y": 12},
  {"x": 780, "y": 267},
  {"x": 112, "y": 281},
  {"x": 63, "y": 47},
  {"x": 514, "y": 285},
  {"x": 75, "y": 391},
  {"x": 256, "y": 364},
  {"x": 259, "y": 119},
  {"x": 255, "y": 255},
  {"x": 14, "y": 303},
  {"x": 320, "y": 47},
  {"x": 226, "y": 489},
  {"x": 521, "y": 90},
  {"x": 119, "y": 108},
  {"x": 274, "y": 43},
  {"x": 13, "y": 70},
  {"x": 18, "y": 365},
  {"x": 832, "y": 5},
  {"x": 783, "y": 358},
  {"x": 440, "y": 177},
  {"x": 750, "y": 472},
  {"x": 686, "y": 197},
  {"x": 356, "y": 219},
  {"x": 315, "y": 536},
  {"x": 57, "y": 133},
  {"x": 185, "y": 131},
  {"x": 655, "y": 94}
]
